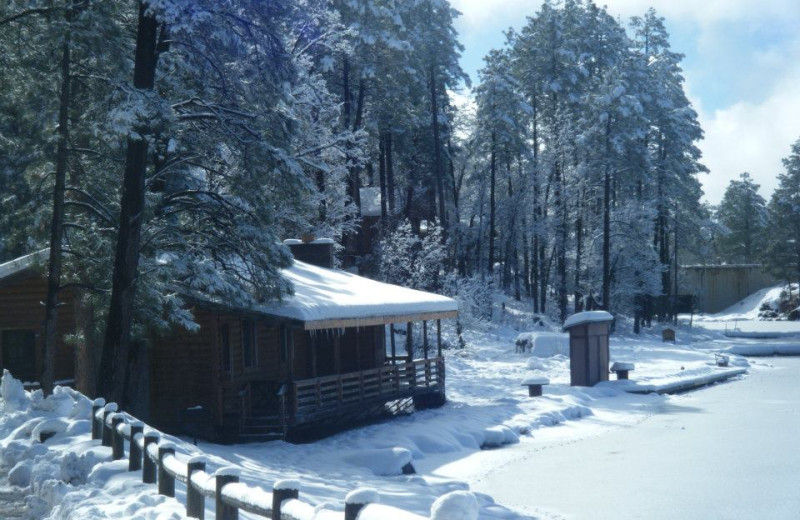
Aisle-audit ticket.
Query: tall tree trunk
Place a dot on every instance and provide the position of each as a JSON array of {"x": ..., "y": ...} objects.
[
  {"x": 561, "y": 259},
  {"x": 607, "y": 223},
  {"x": 57, "y": 222},
  {"x": 437, "y": 152},
  {"x": 492, "y": 177},
  {"x": 578, "y": 296},
  {"x": 118, "y": 355},
  {"x": 382, "y": 173},
  {"x": 390, "y": 187}
]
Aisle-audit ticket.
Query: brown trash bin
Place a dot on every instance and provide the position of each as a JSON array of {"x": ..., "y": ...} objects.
[{"x": 588, "y": 347}]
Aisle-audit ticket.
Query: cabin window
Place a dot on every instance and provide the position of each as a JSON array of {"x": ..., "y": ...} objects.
[
  {"x": 19, "y": 353},
  {"x": 225, "y": 348},
  {"x": 248, "y": 343}
]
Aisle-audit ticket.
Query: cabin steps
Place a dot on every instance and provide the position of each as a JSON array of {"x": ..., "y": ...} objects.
[{"x": 261, "y": 428}]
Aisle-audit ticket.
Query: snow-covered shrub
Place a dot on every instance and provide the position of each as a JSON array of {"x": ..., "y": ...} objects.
[
  {"x": 474, "y": 298},
  {"x": 412, "y": 261}
]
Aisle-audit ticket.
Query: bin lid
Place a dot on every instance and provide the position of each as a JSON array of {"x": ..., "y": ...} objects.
[{"x": 587, "y": 317}]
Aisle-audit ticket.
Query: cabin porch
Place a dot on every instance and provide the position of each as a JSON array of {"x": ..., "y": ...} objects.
[{"x": 382, "y": 383}]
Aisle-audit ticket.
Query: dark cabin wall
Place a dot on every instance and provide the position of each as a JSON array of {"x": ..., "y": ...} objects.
[
  {"x": 21, "y": 309},
  {"x": 183, "y": 372}
]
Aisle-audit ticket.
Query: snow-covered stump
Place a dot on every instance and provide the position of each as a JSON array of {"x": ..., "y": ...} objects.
[
  {"x": 149, "y": 466},
  {"x": 357, "y": 499},
  {"x": 622, "y": 369},
  {"x": 195, "y": 501},
  {"x": 166, "y": 482},
  {"x": 134, "y": 450},
  {"x": 281, "y": 491},
  {"x": 97, "y": 426},
  {"x": 224, "y": 477},
  {"x": 535, "y": 385},
  {"x": 117, "y": 440}
]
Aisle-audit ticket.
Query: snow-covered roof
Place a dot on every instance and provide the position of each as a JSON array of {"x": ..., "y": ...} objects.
[
  {"x": 370, "y": 202},
  {"x": 330, "y": 298},
  {"x": 587, "y": 317},
  {"x": 22, "y": 263}
]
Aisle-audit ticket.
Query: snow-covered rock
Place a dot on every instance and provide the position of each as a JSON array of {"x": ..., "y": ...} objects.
[{"x": 457, "y": 505}]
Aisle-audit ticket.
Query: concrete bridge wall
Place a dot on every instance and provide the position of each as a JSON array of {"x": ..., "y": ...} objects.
[{"x": 717, "y": 287}]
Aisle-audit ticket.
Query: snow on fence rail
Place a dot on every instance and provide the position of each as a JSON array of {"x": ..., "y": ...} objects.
[{"x": 160, "y": 465}]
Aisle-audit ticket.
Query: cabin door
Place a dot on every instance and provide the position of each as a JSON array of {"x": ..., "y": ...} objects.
[{"x": 19, "y": 353}]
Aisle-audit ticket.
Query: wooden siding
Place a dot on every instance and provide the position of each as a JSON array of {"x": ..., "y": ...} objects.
[
  {"x": 182, "y": 372},
  {"x": 21, "y": 308}
]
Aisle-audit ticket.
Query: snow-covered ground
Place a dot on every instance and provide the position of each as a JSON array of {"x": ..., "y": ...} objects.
[
  {"x": 487, "y": 408},
  {"x": 726, "y": 452}
]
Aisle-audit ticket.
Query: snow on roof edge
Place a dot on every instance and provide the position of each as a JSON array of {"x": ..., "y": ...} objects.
[{"x": 22, "y": 263}]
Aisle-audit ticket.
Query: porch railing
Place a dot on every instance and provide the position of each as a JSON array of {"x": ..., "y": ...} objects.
[{"x": 329, "y": 393}]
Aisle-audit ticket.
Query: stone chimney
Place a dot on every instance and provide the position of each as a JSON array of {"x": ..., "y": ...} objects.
[{"x": 311, "y": 250}]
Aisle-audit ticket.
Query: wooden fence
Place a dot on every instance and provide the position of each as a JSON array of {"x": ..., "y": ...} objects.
[{"x": 160, "y": 465}]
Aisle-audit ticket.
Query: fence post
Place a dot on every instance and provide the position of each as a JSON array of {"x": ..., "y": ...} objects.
[
  {"x": 96, "y": 425},
  {"x": 149, "y": 467},
  {"x": 117, "y": 440},
  {"x": 226, "y": 476},
  {"x": 356, "y": 500},
  {"x": 135, "y": 452},
  {"x": 106, "y": 435},
  {"x": 283, "y": 490},
  {"x": 166, "y": 482},
  {"x": 195, "y": 501}
]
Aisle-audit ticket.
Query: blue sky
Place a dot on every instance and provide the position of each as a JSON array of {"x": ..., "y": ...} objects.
[{"x": 742, "y": 70}]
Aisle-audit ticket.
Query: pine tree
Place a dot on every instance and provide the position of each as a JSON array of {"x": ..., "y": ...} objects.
[{"x": 743, "y": 213}]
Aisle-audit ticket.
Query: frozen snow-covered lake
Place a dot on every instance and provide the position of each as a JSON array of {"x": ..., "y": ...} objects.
[{"x": 730, "y": 451}]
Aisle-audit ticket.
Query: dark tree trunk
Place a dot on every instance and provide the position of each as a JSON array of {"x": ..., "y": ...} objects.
[
  {"x": 437, "y": 152},
  {"x": 607, "y": 223},
  {"x": 492, "y": 177},
  {"x": 382, "y": 174},
  {"x": 390, "y": 187},
  {"x": 119, "y": 353},
  {"x": 57, "y": 222},
  {"x": 561, "y": 259}
]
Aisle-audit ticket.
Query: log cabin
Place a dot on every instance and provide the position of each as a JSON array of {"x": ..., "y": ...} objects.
[
  {"x": 338, "y": 350},
  {"x": 22, "y": 293}
]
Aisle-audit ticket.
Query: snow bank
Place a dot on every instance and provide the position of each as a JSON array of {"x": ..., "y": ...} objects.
[
  {"x": 458, "y": 505},
  {"x": 384, "y": 462}
]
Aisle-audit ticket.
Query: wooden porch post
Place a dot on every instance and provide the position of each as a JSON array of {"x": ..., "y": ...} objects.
[
  {"x": 313, "y": 343},
  {"x": 337, "y": 354},
  {"x": 425, "y": 338},
  {"x": 439, "y": 337},
  {"x": 391, "y": 339},
  {"x": 409, "y": 341}
]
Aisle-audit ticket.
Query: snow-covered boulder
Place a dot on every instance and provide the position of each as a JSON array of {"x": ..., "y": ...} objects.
[
  {"x": 456, "y": 505},
  {"x": 383, "y": 462},
  {"x": 543, "y": 344}
]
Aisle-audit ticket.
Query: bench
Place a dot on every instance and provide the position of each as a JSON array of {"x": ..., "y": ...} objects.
[
  {"x": 535, "y": 384},
  {"x": 622, "y": 369}
]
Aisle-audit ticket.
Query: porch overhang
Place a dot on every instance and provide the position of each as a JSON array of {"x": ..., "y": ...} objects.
[{"x": 368, "y": 321}]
